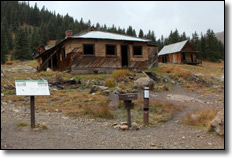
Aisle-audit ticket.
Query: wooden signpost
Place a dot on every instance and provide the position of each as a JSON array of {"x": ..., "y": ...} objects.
[
  {"x": 32, "y": 88},
  {"x": 127, "y": 98}
]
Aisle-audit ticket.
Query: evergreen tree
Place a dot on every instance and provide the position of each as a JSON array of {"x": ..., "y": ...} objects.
[
  {"x": 140, "y": 33},
  {"x": 130, "y": 31},
  {"x": 4, "y": 47},
  {"x": 211, "y": 46},
  {"x": 21, "y": 49}
]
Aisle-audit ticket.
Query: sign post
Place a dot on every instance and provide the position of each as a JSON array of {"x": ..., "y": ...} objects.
[
  {"x": 127, "y": 98},
  {"x": 32, "y": 100},
  {"x": 146, "y": 106},
  {"x": 32, "y": 88}
]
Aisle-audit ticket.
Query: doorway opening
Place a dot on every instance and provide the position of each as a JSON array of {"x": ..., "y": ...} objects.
[{"x": 124, "y": 55}]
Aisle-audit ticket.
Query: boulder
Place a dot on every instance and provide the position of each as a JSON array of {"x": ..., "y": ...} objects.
[
  {"x": 124, "y": 127},
  {"x": 144, "y": 82},
  {"x": 217, "y": 124},
  {"x": 103, "y": 88},
  {"x": 49, "y": 70},
  {"x": 94, "y": 89},
  {"x": 134, "y": 126},
  {"x": 117, "y": 90},
  {"x": 106, "y": 92}
]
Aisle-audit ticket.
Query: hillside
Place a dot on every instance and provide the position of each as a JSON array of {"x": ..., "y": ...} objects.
[{"x": 220, "y": 36}]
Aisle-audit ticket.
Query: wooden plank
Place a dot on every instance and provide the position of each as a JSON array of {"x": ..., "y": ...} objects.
[{"x": 129, "y": 96}]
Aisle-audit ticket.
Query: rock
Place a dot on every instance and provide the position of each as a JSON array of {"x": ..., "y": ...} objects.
[
  {"x": 183, "y": 137},
  {"x": 2, "y": 95},
  {"x": 217, "y": 124},
  {"x": 49, "y": 70},
  {"x": 144, "y": 82},
  {"x": 134, "y": 91},
  {"x": 212, "y": 76},
  {"x": 165, "y": 80},
  {"x": 4, "y": 103},
  {"x": 94, "y": 89},
  {"x": 173, "y": 82},
  {"x": 123, "y": 123},
  {"x": 103, "y": 88},
  {"x": 124, "y": 127},
  {"x": 106, "y": 92},
  {"x": 117, "y": 90},
  {"x": 134, "y": 126},
  {"x": 131, "y": 77},
  {"x": 199, "y": 75},
  {"x": 221, "y": 78},
  {"x": 117, "y": 126}
]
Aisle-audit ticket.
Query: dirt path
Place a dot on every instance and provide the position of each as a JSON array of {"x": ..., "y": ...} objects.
[{"x": 69, "y": 133}]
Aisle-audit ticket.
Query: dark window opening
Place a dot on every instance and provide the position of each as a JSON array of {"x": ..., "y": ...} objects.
[
  {"x": 110, "y": 50},
  {"x": 88, "y": 49},
  {"x": 63, "y": 54},
  {"x": 137, "y": 50}
]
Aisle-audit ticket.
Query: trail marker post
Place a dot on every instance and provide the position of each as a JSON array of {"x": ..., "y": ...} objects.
[
  {"x": 146, "y": 105},
  {"x": 127, "y": 98}
]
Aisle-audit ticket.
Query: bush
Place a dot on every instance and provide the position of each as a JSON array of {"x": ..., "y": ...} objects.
[
  {"x": 121, "y": 74},
  {"x": 110, "y": 82}
]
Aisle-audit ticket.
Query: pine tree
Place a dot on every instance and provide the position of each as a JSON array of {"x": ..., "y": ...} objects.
[
  {"x": 4, "y": 47},
  {"x": 140, "y": 33},
  {"x": 211, "y": 46},
  {"x": 21, "y": 49}
]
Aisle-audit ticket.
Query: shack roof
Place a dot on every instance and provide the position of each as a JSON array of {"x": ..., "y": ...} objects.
[
  {"x": 108, "y": 35},
  {"x": 172, "y": 48}
]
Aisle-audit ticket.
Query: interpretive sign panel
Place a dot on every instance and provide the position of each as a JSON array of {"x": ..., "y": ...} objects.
[{"x": 32, "y": 87}]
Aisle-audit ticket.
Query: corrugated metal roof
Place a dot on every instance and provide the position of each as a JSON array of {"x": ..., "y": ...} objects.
[
  {"x": 172, "y": 48},
  {"x": 108, "y": 35}
]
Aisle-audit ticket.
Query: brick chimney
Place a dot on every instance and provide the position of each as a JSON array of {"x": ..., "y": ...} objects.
[{"x": 68, "y": 33}]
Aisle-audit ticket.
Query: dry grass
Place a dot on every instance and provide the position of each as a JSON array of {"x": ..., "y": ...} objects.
[
  {"x": 200, "y": 119},
  {"x": 22, "y": 124},
  {"x": 11, "y": 62},
  {"x": 110, "y": 82},
  {"x": 121, "y": 74},
  {"x": 76, "y": 104},
  {"x": 159, "y": 111}
]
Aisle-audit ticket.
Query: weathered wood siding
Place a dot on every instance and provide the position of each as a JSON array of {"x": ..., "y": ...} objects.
[{"x": 100, "y": 49}]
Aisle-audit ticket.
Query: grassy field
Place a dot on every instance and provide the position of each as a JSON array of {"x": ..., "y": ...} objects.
[{"x": 80, "y": 103}]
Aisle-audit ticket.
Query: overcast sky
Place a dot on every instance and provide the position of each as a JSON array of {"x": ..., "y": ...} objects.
[{"x": 162, "y": 17}]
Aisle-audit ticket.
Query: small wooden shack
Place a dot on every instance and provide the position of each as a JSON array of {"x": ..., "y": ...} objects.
[
  {"x": 98, "y": 52},
  {"x": 179, "y": 53}
]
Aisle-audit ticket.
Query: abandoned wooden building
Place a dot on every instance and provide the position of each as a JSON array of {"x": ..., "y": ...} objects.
[
  {"x": 98, "y": 52},
  {"x": 179, "y": 53}
]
